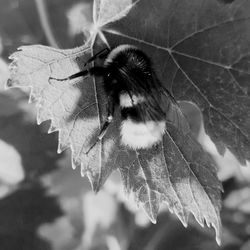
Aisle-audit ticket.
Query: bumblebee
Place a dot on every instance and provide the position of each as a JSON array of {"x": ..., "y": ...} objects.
[{"x": 131, "y": 84}]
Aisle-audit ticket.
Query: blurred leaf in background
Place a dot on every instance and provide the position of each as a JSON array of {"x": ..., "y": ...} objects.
[{"x": 45, "y": 204}]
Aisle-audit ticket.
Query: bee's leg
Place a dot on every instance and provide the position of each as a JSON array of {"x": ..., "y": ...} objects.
[
  {"x": 96, "y": 71},
  {"x": 101, "y": 54},
  {"x": 106, "y": 124}
]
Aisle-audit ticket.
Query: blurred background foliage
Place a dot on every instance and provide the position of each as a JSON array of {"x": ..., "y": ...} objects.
[{"x": 45, "y": 205}]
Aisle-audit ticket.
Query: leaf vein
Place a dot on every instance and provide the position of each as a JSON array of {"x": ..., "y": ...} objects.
[
  {"x": 205, "y": 29},
  {"x": 146, "y": 183},
  {"x": 167, "y": 172},
  {"x": 206, "y": 99},
  {"x": 189, "y": 167},
  {"x": 169, "y": 50}
]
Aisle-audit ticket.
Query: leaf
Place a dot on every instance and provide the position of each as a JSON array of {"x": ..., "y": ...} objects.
[
  {"x": 177, "y": 171},
  {"x": 22, "y": 205},
  {"x": 206, "y": 55},
  {"x": 71, "y": 107}
]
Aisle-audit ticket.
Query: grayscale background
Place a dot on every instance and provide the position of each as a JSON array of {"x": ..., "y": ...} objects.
[{"x": 45, "y": 204}]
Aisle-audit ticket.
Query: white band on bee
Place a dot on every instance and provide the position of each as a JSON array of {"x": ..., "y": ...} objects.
[
  {"x": 126, "y": 101},
  {"x": 142, "y": 135}
]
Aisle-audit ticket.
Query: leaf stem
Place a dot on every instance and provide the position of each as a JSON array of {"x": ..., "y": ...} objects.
[{"x": 44, "y": 20}]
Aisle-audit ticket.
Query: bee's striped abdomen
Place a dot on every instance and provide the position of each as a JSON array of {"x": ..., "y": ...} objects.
[{"x": 137, "y": 130}]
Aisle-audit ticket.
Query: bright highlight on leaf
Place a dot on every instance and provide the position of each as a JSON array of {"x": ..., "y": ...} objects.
[{"x": 200, "y": 50}]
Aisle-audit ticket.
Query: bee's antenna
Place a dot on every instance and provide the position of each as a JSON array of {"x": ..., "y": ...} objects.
[
  {"x": 96, "y": 70},
  {"x": 100, "y": 54},
  {"x": 81, "y": 73}
]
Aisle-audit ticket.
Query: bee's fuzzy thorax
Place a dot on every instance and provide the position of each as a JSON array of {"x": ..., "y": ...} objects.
[
  {"x": 116, "y": 51},
  {"x": 131, "y": 68}
]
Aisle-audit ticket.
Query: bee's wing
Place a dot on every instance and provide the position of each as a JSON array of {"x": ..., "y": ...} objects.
[
  {"x": 169, "y": 105},
  {"x": 160, "y": 104},
  {"x": 174, "y": 115},
  {"x": 151, "y": 108}
]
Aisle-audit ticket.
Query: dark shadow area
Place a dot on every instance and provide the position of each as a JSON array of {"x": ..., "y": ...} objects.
[
  {"x": 36, "y": 147},
  {"x": 22, "y": 213},
  {"x": 28, "y": 206}
]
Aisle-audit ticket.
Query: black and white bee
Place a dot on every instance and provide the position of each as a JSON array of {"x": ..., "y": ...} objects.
[{"x": 131, "y": 84}]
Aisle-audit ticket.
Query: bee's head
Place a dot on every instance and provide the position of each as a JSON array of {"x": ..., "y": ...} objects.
[
  {"x": 111, "y": 75},
  {"x": 128, "y": 69}
]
